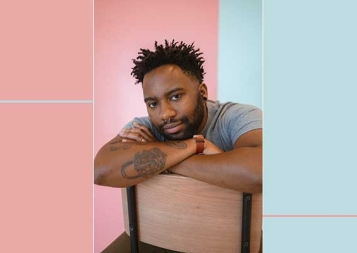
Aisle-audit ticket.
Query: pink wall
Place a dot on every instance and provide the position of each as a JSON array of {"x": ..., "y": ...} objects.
[{"x": 121, "y": 27}]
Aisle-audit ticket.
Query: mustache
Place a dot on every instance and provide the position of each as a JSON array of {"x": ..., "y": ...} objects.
[{"x": 170, "y": 121}]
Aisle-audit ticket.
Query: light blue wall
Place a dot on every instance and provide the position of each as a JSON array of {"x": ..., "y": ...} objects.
[{"x": 240, "y": 51}]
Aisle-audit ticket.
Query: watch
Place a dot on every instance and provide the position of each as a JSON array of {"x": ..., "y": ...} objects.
[{"x": 200, "y": 143}]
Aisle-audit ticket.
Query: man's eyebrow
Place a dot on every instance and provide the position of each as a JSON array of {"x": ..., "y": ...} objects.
[
  {"x": 173, "y": 91},
  {"x": 149, "y": 98}
]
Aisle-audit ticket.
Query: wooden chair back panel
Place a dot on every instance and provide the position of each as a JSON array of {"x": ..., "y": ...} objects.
[{"x": 187, "y": 215}]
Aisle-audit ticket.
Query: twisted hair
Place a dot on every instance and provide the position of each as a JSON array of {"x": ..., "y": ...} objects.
[{"x": 185, "y": 56}]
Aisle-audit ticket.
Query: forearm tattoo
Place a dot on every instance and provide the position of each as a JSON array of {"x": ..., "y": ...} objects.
[
  {"x": 146, "y": 163},
  {"x": 176, "y": 144},
  {"x": 121, "y": 146}
]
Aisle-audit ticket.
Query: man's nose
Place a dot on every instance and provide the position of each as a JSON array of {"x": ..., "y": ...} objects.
[{"x": 167, "y": 112}]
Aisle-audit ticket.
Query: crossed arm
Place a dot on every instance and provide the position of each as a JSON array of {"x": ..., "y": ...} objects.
[
  {"x": 122, "y": 164},
  {"x": 126, "y": 161},
  {"x": 239, "y": 169}
]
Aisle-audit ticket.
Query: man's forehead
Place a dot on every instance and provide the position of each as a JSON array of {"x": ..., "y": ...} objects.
[{"x": 168, "y": 71}]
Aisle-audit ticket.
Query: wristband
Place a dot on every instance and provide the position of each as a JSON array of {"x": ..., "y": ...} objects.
[{"x": 200, "y": 143}]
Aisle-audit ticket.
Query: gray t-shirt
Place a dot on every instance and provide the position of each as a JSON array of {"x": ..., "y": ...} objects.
[{"x": 226, "y": 122}]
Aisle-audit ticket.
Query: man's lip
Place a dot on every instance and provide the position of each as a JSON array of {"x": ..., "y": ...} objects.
[
  {"x": 171, "y": 125},
  {"x": 173, "y": 128}
]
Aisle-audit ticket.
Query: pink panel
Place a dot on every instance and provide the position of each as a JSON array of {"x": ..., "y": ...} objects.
[
  {"x": 46, "y": 187},
  {"x": 44, "y": 45},
  {"x": 121, "y": 28}
]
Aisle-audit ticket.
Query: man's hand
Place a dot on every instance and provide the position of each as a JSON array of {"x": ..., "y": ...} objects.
[
  {"x": 211, "y": 149},
  {"x": 139, "y": 133}
]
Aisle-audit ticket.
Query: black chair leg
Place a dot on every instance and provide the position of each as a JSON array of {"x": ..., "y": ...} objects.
[
  {"x": 246, "y": 219},
  {"x": 133, "y": 222}
]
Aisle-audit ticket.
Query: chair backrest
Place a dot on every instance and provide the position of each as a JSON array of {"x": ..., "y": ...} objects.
[{"x": 187, "y": 215}]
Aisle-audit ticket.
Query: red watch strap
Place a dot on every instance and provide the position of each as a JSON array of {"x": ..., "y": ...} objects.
[{"x": 200, "y": 143}]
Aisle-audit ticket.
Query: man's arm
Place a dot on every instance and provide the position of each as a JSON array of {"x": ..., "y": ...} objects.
[
  {"x": 122, "y": 164},
  {"x": 239, "y": 169}
]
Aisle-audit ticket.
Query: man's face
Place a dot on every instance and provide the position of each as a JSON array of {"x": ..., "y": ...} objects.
[{"x": 174, "y": 102}]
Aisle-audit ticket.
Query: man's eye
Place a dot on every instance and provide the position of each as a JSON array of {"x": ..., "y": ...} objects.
[
  {"x": 175, "y": 97},
  {"x": 152, "y": 105}
]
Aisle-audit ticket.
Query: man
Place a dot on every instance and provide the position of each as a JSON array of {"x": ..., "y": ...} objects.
[{"x": 178, "y": 109}]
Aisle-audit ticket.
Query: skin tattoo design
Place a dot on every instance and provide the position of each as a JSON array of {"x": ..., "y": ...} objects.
[
  {"x": 124, "y": 146},
  {"x": 146, "y": 163}
]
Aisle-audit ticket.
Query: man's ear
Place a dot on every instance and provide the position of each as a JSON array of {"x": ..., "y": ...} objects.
[{"x": 202, "y": 88}]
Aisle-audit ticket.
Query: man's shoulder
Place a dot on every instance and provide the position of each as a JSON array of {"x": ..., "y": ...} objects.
[
  {"x": 230, "y": 121},
  {"x": 143, "y": 120},
  {"x": 232, "y": 108}
]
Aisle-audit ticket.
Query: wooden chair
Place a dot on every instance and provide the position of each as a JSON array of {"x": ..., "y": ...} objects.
[{"x": 187, "y": 215}]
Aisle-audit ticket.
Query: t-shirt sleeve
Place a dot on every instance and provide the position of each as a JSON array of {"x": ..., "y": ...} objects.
[
  {"x": 141, "y": 120},
  {"x": 241, "y": 119}
]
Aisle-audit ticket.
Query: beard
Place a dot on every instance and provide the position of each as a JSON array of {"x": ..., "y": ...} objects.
[{"x": 191, "y": 126}]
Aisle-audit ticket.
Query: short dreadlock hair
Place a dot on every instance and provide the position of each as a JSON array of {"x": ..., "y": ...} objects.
[{"x": 185, "y": 56}]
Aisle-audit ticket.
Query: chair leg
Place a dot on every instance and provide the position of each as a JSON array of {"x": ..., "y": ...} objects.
[
  {"x": 133, "y": 222},
  {"x": 246, "y": 218}
]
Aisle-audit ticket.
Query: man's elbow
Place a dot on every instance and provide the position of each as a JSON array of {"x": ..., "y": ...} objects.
[
  {"x": 257, "y": 188},
  {"x": 99, "y": 177},
  {"x": 257, "y": 184},
  {"x": 104, "y": 178},
  {"x": 101, "y": 172}
]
